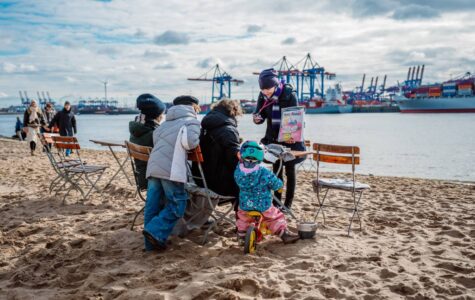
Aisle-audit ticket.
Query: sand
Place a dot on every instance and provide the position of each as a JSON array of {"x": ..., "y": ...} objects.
[{"x": 417, "y": 242}]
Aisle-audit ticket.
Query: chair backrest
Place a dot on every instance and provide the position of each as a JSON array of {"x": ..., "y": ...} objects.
[
  {"x": 308, "y": 143},
  {"x": 196, "y": 155},
  {"x": 336, "y": 154},
  {"x": 66, "y": 142},
  {"x": 137, "y": 151}
]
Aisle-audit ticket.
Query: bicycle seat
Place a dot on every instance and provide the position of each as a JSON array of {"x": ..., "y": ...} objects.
[{"x": 254, "y": 213}]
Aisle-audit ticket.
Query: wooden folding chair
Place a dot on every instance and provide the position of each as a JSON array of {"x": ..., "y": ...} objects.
[
  {"x": 217, "y": 216},
  {"x": 308, "y": 164},
  {"x": 335, "y": 154},
  {"x": 59, "y": 181},
  {"x": 142, "y": 153},
  {"x": 80, "y": 172}
]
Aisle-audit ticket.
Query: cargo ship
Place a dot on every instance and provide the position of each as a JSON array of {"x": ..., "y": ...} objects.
[
  {"x": 333, "y": 103},
  {"x": 102, "y": 107},
  {"x": 453, "y": 96}
]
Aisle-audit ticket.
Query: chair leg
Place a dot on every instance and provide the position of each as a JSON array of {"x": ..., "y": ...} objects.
[
  {"x": 321, "y": 203},
  {"x": 355, "y": 211},
  {"x": 93, "y": 184},
  {"x": 135, "y": 218}
]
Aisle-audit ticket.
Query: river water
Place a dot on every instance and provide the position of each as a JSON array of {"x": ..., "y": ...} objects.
[{"x": 440, "y": 146}]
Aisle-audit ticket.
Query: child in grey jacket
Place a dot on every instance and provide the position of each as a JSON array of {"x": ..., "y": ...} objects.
[{"x": 167, "y": 171}]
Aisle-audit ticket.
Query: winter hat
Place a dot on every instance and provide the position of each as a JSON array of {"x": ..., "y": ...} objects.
[
  {"x": 185, "y": 100},
  {"x": 150, "y": 106},
  {"x": 268, "y": 79}
]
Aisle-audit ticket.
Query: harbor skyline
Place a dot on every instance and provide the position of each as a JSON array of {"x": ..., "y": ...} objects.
[{"x": 70, "y": 48}]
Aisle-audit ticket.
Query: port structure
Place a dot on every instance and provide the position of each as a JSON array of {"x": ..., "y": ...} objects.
[
  {"x": 371, "y": 93},
  {"x": 306, "y": 76},
  {"x": 42, "y": 99},
  {"x": 221, "y": 83}
]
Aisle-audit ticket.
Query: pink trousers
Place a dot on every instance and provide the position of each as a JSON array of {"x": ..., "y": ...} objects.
[{"x": 273, "y": 217}]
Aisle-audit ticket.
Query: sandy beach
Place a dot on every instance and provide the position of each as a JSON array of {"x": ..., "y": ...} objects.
[{"x": 417, "y": 242}]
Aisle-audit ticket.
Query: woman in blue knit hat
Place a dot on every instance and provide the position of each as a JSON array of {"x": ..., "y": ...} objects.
[
  {"x": 141, "y": 129},
  {"x": 274, "y": 96}
]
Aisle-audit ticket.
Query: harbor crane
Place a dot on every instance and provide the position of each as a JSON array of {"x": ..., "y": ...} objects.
[{"x": 221, "y": 83}]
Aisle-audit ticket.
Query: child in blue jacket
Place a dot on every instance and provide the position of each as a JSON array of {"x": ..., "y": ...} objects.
[{"x": 256, "y": 184}]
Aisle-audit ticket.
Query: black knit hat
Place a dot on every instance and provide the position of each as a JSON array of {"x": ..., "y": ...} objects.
[
  {"x": 150, "y": 106},
  {"x": 185, "y": 100},
  {"x": 268, "y": 79}
]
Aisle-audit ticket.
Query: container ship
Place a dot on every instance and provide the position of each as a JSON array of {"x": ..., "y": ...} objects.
[
  {"x": 453, "y": 96},
  {"x": 101, "y": 107}
]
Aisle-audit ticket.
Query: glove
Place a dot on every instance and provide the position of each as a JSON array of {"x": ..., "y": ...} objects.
[{"x": 281, "y": 190}]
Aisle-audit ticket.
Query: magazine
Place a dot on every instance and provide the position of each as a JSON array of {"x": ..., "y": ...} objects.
[{"x": 292, "y": 124}]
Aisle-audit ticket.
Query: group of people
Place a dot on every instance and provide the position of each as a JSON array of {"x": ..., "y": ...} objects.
[
  {"x": 37, "y": 121},
  {"x": 230, "y": 169}
]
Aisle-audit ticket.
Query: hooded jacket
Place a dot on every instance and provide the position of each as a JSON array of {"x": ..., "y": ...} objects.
[
  {"x": 180, "y": 132},
  {"x": 219, "y": 141},
  {"x": 142, "y": 134},
  {"x": 256, "y": 187},
  {"x": 65, "y": 121}
]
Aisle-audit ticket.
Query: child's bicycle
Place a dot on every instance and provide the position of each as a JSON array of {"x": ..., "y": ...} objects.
[{"x": 255, "y": 232}]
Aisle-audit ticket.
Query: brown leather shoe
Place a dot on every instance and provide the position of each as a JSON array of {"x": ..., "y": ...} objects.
[{"x": 289, "y": 238}]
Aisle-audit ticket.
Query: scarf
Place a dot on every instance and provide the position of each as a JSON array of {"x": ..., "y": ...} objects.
[{"x": 33, "y": 115}]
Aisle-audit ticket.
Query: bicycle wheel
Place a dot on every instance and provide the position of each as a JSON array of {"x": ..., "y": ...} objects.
[{"x": 250, "y": 241}]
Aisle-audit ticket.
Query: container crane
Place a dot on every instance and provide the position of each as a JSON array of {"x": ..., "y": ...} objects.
[{"x": 221, "y": 83}]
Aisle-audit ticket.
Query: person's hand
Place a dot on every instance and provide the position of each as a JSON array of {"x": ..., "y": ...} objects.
[
  {"x": 291, "y": 141},
  {"x": 257, "y": 118},
  {"x": 25, "y": 129}
]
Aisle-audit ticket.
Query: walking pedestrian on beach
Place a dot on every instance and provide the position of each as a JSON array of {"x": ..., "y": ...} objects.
[
  {"x": 65, "y": 121},
  {"x": 219, "y": 141},
  {"x": 18, "y": 128},
  {"x": 141, "y": 129},
  {"x": 32, "y": 121},
  {"x": 48, "y": 113},
  {"x": 167, "y": 171},
  {"x": 274, "y": 96}
]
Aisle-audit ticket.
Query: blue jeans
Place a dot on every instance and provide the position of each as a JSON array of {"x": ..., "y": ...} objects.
[{"x": 165, "y": 205}]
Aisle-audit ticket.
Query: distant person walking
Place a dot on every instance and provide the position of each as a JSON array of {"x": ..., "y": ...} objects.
[
  {"x": 141, "y": 129},
  {"x": 274, "y": 96},
  {"x": 18, "y": 128},
  {"x": 32, "y": 121},
  {"x": 49, "y": 113},
  {"x": 65, "y": 121}
]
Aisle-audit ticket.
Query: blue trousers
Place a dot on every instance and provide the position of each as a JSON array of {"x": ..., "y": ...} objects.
[{"x": 165, "y": 205}]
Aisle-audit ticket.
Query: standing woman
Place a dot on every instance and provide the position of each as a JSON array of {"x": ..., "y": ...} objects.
[
  {"x": 274, "y": 96},
  {"x": 32, "y": 121}
]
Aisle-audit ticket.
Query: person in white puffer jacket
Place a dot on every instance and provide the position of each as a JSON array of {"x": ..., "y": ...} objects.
[{"x": 167, "y": 171}]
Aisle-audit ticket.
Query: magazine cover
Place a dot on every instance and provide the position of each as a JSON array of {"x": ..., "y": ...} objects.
[{"x": 291, "y": 125}]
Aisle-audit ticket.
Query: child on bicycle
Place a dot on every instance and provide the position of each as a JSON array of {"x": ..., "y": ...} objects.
[{"x": 256, "y": 184}]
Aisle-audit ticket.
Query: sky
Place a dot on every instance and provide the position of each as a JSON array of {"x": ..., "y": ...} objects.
[{"x": 70, "y": 48}]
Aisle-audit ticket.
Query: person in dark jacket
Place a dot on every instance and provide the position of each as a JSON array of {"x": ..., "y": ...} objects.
[
  {"x": 219, "y": 141},
  {"x": 65, "y": 121},
  {"x": 274, "y": 96},
  {"x": 19, "y": 128},
  {"x": 32, "y": 121},
  {"x": 141, "y": 129}
]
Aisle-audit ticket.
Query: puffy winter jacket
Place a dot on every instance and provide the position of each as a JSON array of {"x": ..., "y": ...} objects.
[
  {"x": 180, "y": 132},
  {"x": 219, "y": 141},
  {"x": 142, "y": 134},
  {"x": 256, "y": 188}
]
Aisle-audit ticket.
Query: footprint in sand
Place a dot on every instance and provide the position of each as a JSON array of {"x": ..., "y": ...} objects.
[{"x": 246, "y": 286}]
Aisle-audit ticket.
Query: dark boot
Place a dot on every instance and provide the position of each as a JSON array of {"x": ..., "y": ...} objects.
[
  {"x": 289, "y": 238},
  {"x": 158, "y": 245}
]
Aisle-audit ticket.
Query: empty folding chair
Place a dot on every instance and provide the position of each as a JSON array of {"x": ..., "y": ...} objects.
[
  {"x": 141, "y": 153},
  {"x": 213, "y": 200},
  {"x": 89, "y": 175},
  {"x": 335, "y": 154}
]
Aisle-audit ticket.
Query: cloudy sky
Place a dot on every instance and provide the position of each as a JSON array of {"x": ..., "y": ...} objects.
[{"x": 69, "y": 47}]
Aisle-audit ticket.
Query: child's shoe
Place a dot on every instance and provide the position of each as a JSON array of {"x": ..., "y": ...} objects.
[
  {"x": 289, "y": 238},
  {"x": 241, "y": 238}
]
